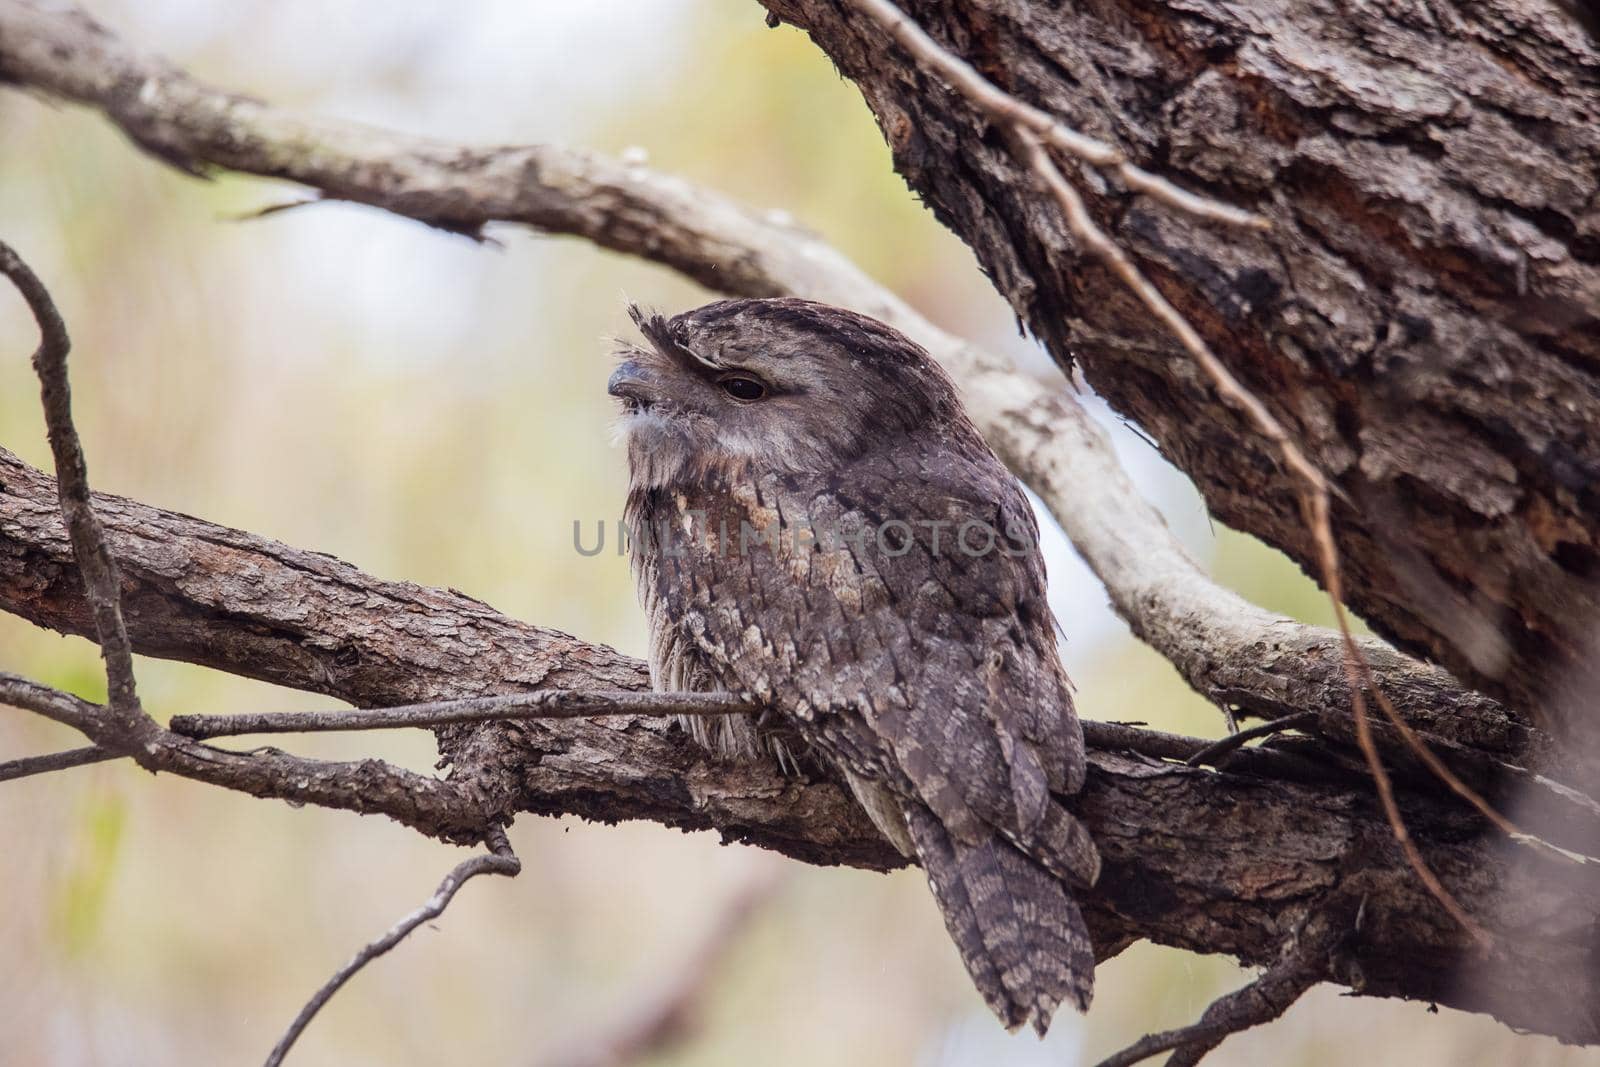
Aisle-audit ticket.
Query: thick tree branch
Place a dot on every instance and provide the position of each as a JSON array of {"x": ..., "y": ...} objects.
[
  {"x": 1228, "y": 876},
  {"x": 1225, "y": 647},
  {"x": 1207, "y": 861},
  {"x": 1421, "y": 315}
]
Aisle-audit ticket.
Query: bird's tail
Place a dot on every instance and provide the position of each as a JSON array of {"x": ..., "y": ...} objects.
[{"x": 1017, "y": 929}]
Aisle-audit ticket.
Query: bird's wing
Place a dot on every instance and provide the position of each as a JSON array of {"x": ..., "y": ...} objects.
[{"x": 913, "y": 654}]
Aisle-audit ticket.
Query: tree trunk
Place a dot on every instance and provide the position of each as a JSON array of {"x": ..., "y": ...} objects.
[{"x": 1423, "y": 315}]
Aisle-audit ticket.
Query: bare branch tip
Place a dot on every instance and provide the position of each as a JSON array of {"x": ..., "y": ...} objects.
[
  {"x": 499, "y": 860},
  {"x": 29, "y": 766}
]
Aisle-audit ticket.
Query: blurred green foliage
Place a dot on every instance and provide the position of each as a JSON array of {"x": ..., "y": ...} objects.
[{"x": 84, "y": 887}]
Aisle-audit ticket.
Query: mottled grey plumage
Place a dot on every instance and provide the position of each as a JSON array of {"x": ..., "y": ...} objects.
[{"x": 918, "y": 663}]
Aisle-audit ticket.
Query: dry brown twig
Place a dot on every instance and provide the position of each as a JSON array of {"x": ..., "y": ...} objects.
[
  {"x": 1217, "y": 751},
  {"x": 508, "y": 707},
  {"x": 498, "y": 860},
  {"x": 28, "y": 766},
  {"x": 1261, "y": 1001},
  {"x": 1031, "y": 130}
]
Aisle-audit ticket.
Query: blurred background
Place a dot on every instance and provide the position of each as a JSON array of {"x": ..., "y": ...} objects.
[{"x": 435, "y": 410}]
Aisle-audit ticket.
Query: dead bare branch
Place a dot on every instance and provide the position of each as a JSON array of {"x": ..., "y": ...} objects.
[
  {"x": 542, "y": 704},
  {"x": 98, "y": 569},
  {"x": 498, "y": 860},
  {"x": 446, "y": 810},
  {"x": 29, "y": 766},
  {"x": 53, "y": 704},
  {"x": 1261, "y": 1001},
  {"x": 1218, "y": 751}
]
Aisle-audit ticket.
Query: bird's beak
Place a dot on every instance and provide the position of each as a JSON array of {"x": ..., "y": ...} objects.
[{"x": 632, "y": 383}]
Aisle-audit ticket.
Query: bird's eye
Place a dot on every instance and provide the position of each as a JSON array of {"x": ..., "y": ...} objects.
[{"x": 743, "y": 387}]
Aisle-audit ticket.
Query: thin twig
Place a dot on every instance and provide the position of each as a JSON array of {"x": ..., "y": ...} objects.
[
  {"x": 551, "y": 704},
  {"x": 1263, "y": 762},
  {"x": 1007, "y": 110},
  {"x": 498, "y": 860},
  {"x": 101, "y": 582},
  {"x": 1153, "y": 1044},
  {"x": 540, "y": 704},
  {"x": 447, "y": 810},
  {"x": 53, "y": 704},
  {"x": 1215, "y": 751},
  {"x": 1261, "y": 1001},
  {"x": 1397, "y": 824},
  {"x": 28, "y": 766},
  {"x": 582, "y": 704}
]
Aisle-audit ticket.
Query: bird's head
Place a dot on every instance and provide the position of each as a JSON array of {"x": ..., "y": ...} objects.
[{"x": 740, "y": 388}]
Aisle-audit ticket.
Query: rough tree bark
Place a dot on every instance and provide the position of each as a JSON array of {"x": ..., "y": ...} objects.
[
  {"x": 1215, "y": 862},
  {"x": 1424, "y": 314}
]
